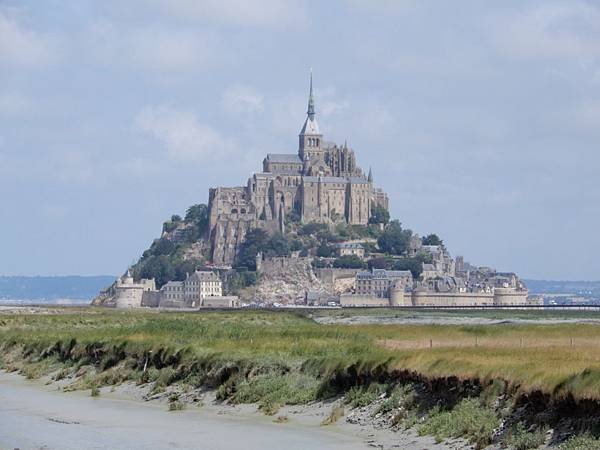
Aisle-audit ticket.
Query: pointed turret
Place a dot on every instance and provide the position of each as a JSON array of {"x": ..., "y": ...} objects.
[
  {"x": 311, "y": 101},
  {"x": 310, "y": 137},
  {"x": 370, "y": 177}
]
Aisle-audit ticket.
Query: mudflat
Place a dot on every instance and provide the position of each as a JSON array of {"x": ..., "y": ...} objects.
[
  {"x": 35, "y": 416},
  {"x": 32, "y": 417}
]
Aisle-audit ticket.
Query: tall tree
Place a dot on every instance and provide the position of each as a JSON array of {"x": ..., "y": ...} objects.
[{"x": 394, "y": 240}]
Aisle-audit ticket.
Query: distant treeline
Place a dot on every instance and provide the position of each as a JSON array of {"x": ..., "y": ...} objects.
[
  {"x": 563, "y": 287},
  {"x": 52, "y": 288}
]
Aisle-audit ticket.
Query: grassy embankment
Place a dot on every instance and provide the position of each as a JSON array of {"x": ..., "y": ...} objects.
[{"x": 275, "y": 358}]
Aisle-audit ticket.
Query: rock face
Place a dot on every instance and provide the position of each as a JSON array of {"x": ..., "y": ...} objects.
[{"x": 287, "y": 281}]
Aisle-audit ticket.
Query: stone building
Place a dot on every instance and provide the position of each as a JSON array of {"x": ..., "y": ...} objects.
[
  {"x": 378, "y": 282},
  {"x": 350, "y": 249},
  {"x": 193, "y": 291},
  {"x": 320, "y": 183}
]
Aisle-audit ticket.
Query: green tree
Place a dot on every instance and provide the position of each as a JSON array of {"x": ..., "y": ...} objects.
[
  {"x": 311, "y": 229},
  {"x": 432, "y": 239},
  {"x": 325, "y": 251},
  {"x": 162, "y": 246},
  {"x": 175, "y": 218},
  {"x": 381, "y": 263},
  {"x": 197, "y": 213},
  {"x": 349, "y": 262},
  {"x": 277, "y": 245},
  {"x": 412, "y": 264},
  {"x": 379, "y": 214},
  {"x": 255, "y": 241},
  {"x": 185, "y": 267},
  {"x": 394, "y": 240},
  {"x": 158, "y": 267}
]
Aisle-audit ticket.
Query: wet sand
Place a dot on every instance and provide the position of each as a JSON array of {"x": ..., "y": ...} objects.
[{"x": 35, "y": 416}]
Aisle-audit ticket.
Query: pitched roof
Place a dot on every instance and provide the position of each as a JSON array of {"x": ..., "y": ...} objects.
[
  {"x": 326, "y": 179},
  {"x": 283, "y": 158},
  {"x": 201, "y": 275}
]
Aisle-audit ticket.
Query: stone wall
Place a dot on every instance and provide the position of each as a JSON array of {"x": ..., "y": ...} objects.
[
  {"x": 349, "y": 300},
  {"x": 230, "y": 301},
  {"x": 452, "y": 299},
  {"x": 151, "y": 299}
]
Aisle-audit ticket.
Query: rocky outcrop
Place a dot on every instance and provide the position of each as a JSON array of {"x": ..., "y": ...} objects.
[{"x": 286, "y": 281}]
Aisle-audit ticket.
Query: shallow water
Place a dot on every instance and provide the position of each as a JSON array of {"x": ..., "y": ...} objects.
[{"x": 33, "y": 416}]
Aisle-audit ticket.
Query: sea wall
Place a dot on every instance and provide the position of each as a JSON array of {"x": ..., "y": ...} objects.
[{"x": 349, "y": 300}]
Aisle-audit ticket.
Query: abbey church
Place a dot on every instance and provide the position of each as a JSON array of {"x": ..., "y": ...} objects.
[{"x": 319, "y": 183}]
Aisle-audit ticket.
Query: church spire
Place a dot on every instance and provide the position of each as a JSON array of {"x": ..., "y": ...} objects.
[
  {"x": 311, "y": 100},
  {"x": 370, "y": 177}
]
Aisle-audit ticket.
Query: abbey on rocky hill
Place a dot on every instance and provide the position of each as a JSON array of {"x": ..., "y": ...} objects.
[{"x": 319, "y": 183}]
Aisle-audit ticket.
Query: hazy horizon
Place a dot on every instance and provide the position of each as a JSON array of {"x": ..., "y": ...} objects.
[{"x": 480, "y": 120}]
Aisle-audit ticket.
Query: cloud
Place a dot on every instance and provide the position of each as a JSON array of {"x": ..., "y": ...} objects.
[
  {"x": 184, "y": 136},
  {"x": 153, "y": 48},
  {"x": 263, "y": 14},
  {"x": 566, "y": 30},
  {"x": 21, "y": 47},
  {"x": 238, "y": 99}
]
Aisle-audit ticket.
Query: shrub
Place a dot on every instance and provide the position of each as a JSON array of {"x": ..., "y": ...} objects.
[
  {"x": 95, "y": 391},
  {"x": 584, "y": 442},
  {"x": 468, "y": 420},
  {"x": 518, "y": 438},
  {"x": 358, "y": 397},
  {"x": 337, "y": 412},
  {"x": 399, "y": 396},
  {"x": 349, "y": 262},
  {"x": 272, "y": 390},
  {"x": 176, "y": 406}
]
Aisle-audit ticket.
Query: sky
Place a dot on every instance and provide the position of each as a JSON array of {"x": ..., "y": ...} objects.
[{"x": 480, "y": 119}]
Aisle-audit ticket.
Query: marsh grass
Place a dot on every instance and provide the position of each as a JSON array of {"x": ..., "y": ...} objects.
[
  {"x": 224, "y": 350},
  {"x": 585, "y": 442},
  {"x": 519, "y": 438},
  {"x": 271, "y": 391},
  {"x": 361, "y": 396},
  {"x": 337, "y": 412},
  {"x": 400, "y": 396},
  {"x": 469, "y": 420}
]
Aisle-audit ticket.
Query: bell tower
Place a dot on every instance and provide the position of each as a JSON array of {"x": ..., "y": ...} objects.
[{"x": 310, "y": 138}]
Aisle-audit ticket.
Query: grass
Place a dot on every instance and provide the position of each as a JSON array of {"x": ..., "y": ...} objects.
[
  {"x": 271, "y": 391},
  {"x": 282, "y": 358},
  {"x": 533, "y": 356},
  {"x": 584, "y": 442},
  {"x": 469, "y": 419},
  {"x": 519, "y": 438},
  {"x": 358, "y": 397}
]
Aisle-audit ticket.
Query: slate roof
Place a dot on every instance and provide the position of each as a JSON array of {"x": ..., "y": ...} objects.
[
  {"x": 283, "y": 158},
  {"x": 326, "y": 179}
]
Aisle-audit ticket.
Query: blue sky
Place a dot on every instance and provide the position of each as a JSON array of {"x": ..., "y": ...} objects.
[{"x": 480, "y": 119}]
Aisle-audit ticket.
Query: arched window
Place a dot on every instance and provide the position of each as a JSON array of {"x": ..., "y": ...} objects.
[
  {"x": 243, "y": 211},
  {"x": 234, "y": 211}
]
